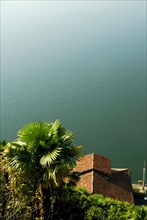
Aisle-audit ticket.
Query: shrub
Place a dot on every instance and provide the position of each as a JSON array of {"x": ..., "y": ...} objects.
[{"x": 95, "y": 213}]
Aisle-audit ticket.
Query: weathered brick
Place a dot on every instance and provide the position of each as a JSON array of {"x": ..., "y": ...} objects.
[{"x": 98, "y": 177}]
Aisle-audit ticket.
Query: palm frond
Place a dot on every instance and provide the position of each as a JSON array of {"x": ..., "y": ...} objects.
[
  {"x": 68, "y": 136},
  {"x": 34, "y": 134},
  {"x": 50, "y": 157},
  {"x": 56, "y": 125},
  {"x": 70, "y": 154}
]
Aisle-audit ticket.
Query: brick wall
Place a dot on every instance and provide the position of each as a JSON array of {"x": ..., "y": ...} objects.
[
  {"x": 86, "y": 181},
  {"x": 101, "y": 164},
  {"x": 117, "y": 185},
  {"x": 98, "y": 177},
  {"x": 94, "y": 161},
  {"x": 86, "y": 163}
]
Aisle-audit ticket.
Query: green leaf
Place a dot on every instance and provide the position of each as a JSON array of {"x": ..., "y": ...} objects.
[
  {"x": 56, "y": 125},
  {"x": 50, "y": 157}
]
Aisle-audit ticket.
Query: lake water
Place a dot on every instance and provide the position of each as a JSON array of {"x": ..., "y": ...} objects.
[{"x": 88, "y": 75}]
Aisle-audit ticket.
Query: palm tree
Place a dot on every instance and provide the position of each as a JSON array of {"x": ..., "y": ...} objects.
[{"x": 44, "y": 155}]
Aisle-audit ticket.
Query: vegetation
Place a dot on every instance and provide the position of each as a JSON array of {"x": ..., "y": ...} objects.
[
  {"x": 35, "y": 166},
  {"x": 37, "y": 181}
]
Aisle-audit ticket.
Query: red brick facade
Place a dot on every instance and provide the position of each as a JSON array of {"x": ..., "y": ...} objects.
[{"x": 98, "y": 177}]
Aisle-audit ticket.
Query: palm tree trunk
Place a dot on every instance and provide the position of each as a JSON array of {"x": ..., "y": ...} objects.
[{"x": 46, "y": 203}]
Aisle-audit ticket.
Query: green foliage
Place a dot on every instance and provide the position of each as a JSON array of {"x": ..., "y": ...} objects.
[
  {"x": 82, "y": 190},
  {"x": 90, "y": 207},
  {"x": 105, "y": 208},
  {"x": 95, "y": 213},
  {"x": 40, "y": 161},
  {"x": 3, "y": 143},
  {"x": 140, "y": 213},
  {"x": 70, "y": 205},
  {"x": 84, "y": 206},
  {"x": 37, "y": 181}
]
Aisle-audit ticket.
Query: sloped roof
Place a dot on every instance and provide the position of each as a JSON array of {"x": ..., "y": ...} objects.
[{"x": 114, "y": 170}]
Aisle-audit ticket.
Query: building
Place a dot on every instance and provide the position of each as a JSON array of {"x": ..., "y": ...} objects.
[{"x": 97, "y": 176}]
